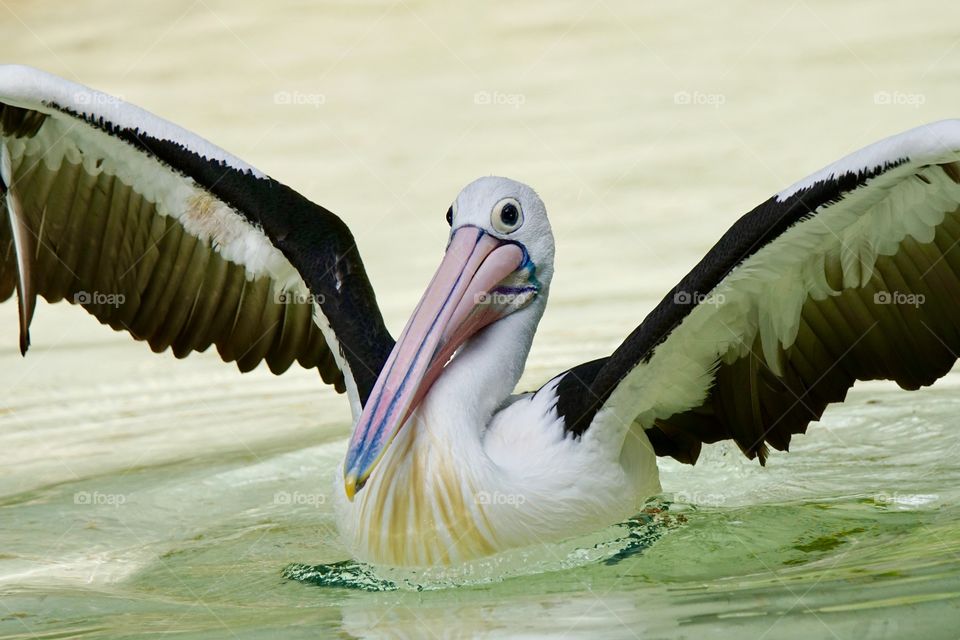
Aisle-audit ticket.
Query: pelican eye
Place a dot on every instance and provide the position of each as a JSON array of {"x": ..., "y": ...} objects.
[
  {"x": 452, "y": 211},
  {"x": 507, "y": 216}
]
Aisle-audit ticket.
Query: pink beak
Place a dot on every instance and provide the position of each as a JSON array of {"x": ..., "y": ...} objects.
[{"x": 480, "y": 280}]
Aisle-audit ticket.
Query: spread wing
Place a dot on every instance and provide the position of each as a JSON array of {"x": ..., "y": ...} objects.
[
  {"x": 851, "y": 274},
  {"x": 159, "y": 233}
]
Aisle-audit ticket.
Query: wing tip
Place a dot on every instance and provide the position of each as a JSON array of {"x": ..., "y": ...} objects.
[
  {"x": 24, "y": 341},
  {"x": 22, "y": 237},
  {"x": 27, "y": 303}
]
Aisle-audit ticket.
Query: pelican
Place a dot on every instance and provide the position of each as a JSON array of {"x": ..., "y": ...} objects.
[{"x": 850, "y": 274}]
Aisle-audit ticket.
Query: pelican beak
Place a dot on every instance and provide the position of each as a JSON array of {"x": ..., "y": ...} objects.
[{"x": 480, "y": 280}]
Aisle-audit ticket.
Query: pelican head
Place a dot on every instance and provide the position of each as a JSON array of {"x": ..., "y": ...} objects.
[{"x": 498, "y": 262}]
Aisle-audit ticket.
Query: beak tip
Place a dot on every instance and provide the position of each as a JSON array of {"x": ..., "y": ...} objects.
[{"x": 352, "y": 484}]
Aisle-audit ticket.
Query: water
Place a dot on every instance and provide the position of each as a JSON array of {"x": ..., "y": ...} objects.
[{"x": 144, "y": 496}]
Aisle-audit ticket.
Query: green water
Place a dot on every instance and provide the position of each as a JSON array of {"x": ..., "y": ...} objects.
[
  {"x": 826, "y": 542},
  {"x": 142, "y": 496}
]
